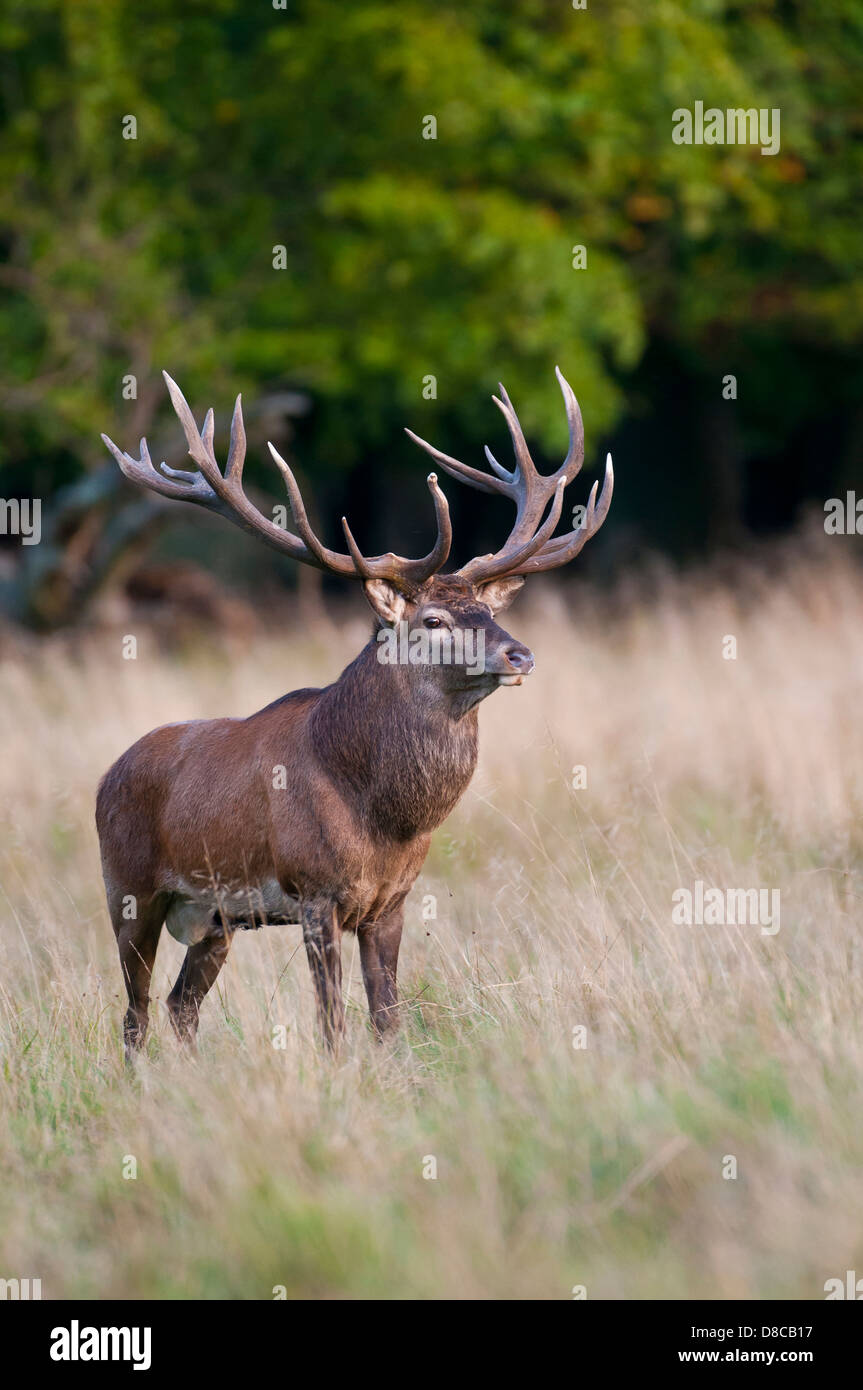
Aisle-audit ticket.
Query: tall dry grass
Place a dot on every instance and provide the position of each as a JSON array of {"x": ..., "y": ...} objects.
[{"x": 557, "y": 1166}]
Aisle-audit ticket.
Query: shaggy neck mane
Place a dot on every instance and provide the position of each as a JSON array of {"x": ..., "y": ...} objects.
[{"x": 406, "y": 750}]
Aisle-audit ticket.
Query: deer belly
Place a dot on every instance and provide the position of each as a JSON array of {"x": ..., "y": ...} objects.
[{"x": 195, "y": 914}]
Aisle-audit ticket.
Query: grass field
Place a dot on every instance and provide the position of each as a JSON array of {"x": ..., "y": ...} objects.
[{"x": 557, "y": 1166}]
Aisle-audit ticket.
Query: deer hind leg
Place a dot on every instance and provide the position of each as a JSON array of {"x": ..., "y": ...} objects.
[
  {"x": 197, "y": 976},
  {"x": 379, "y": 957},
  {"x": 322, "y": 935},
  {"x": 137, "y": 940}
]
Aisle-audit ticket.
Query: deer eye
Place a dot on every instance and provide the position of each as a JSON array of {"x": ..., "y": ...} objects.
[{"x": 432, "y": 622}]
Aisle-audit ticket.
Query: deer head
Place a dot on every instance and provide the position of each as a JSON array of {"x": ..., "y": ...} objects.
[{"x": 407, "y": 595}]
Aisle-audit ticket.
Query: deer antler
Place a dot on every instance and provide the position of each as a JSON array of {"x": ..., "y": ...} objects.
[
  {"x": 223, "y": 493},
  {"x": 529, "y": 548}
]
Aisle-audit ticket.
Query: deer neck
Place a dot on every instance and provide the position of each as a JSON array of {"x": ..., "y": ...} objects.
[{"x": 402, "y": 748}]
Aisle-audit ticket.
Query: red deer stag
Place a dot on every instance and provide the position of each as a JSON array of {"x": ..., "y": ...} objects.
[{"x": 319, "y": 808}]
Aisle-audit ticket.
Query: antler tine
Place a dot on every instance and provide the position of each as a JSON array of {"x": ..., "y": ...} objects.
[
  {"x": 562, "y": 549},
  {"x": 439, "y": 554},
  {"x": 508, "y": 474},
  {"x": 298, "y": 511},
  {"x": 524, "y": 463},
  {"x": 237, "y": 449},
  {"x": 360, "y": 563},
  {"x": 200, "y": 446},
  {"x": 484, "y": 482},
  {"x": 575, "y": 456},
  {"x": 408, "y": 573}
]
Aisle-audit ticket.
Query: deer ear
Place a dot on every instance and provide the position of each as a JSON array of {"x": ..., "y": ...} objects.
[
  {"x": 385, "y": 599},
  {"x": 498, "y": 594}
]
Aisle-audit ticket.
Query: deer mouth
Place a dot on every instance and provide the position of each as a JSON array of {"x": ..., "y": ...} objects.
[{"x": 518, "y": 679}]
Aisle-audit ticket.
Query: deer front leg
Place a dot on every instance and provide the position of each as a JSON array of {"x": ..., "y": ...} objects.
[
  {"x": 379, "y": 956},
  {"x": 322, "y": 935}
]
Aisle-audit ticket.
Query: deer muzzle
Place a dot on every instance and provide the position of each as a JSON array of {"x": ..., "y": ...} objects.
[{"x": 513, "y": 664}]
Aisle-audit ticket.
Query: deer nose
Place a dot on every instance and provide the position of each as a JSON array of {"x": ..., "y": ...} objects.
[{"x": 520, "y": 658}]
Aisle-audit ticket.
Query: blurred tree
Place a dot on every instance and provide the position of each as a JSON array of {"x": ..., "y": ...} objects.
[{"x": 408, "y": 257}]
